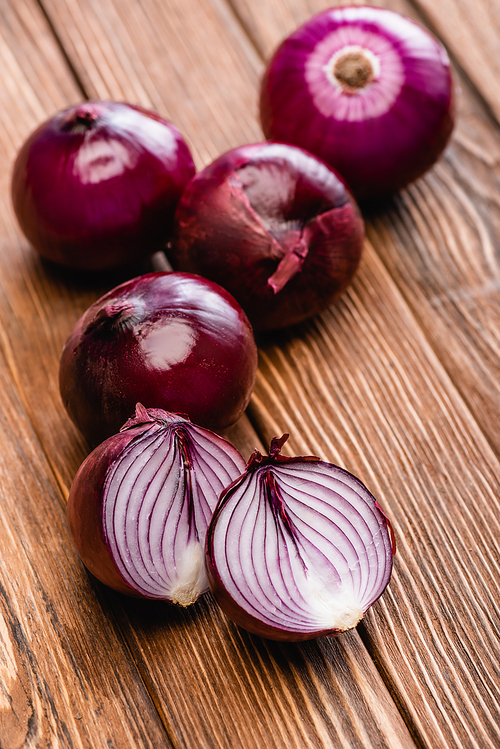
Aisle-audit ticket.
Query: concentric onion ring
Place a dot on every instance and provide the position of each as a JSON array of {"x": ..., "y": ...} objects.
[{"x": 297, "y": 548}]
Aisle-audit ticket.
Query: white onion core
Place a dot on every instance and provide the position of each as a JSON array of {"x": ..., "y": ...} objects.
[{"x": 372, "y": 101}]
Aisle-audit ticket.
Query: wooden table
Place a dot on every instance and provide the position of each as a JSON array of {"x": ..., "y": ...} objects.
[{"x": 399, "y": 382}]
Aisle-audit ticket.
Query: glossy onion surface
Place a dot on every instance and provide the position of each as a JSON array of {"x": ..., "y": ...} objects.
[
  {"x": 365, "y": 89},
  {"x": 140, "y": 505},
  {"x": 96, "y": 186},
  {"x": 168, "y": 340},
  {"x": 297, "y": 548},
  {"x": 274, "y": 226}
]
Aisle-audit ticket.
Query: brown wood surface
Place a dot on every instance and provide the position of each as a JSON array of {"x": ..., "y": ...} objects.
[{"x": 398, "y": 382}]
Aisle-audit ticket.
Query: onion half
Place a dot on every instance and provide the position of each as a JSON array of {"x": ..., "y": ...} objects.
[
  {"x": 365, "y": 89},
  {"x": 274, "y": 226},
  {"x": 141, "y": 502},
  {"x": 96, "y": 186},
  {"x": 169, "y": 340},
  {"x": 297, "y": 548}
]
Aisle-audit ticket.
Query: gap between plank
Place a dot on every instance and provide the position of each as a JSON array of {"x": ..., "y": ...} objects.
[{"x": 62, "y": 50}]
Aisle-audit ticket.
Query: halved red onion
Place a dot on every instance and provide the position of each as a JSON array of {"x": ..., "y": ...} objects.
[
  {"x": 141, "y": 502},
  {"x": 365, "y": 89},
  {"x": 297, "y": 548},
  {"x": 274, "y": 226},
  {"x": 96, "y": 185},
  {"x": 169, "y": 340}
]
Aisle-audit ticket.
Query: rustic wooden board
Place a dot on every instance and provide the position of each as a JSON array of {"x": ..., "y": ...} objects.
[
  {"x": 66, "y": 677},
  {"x": 440, "y": 237},
  {"x": 363, "y": 386},
  {"x": 227, "y": 684},
  {"x": 471, "y": 31},
  {"x": 439, "y": 240},
  {"x": 388, "y": 413}
]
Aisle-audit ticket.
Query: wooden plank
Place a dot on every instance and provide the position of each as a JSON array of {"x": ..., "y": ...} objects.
[
  {"x": 66, "y": 677},
  {"x": 209, "y": 683},
  {"x": 203, "y": 639},
  {"x": 440, "y": 237},
  {"x": 363, "y": 387},
  {"x": 471, "y": 32},
  {"x": 169, "y": 57},
  {"x": 219, "y": 685}
]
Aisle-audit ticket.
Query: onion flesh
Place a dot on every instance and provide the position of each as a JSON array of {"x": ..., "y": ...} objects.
[
  {"x": 365, "y": 89},
  {"x": 141, "y": 502},
  {"x": 297, "y": 548}
]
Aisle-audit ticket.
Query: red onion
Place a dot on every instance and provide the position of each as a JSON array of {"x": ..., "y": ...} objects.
[
  {"x": 96, "y": 186},
  {"x": 297, "y": 548},
  {"x": 169, "y": 340},
  {"x": 274, "y": 226},
  {"x": 365, "y": 89},
  {"x": 140, "y": 505}
]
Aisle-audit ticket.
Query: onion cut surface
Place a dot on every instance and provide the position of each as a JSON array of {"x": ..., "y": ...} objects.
[
  {"x": 297, "y": 548},
  {"x": 141, "y": 502}
]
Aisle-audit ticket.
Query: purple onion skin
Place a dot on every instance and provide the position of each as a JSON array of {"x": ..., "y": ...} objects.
[
  {"x": 169, "y": 340},
  {"x": 392, "y": 139},
  {"x": 96, "y": 186},
  {"x": 275, "y": 227},
  {"x": 264, "y": 468},
  {"x": 85, "y": 509}
]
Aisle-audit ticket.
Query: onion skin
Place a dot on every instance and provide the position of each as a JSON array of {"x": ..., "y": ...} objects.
[
  {"x": 271, "y": 560},
  {"x": 275, "y": 227},
  {"x": 91, "y": 486},
  {"x": 169, "y": 340},
  {"x": 96, "y": 186},
  {"x": 382, "y": 135}
]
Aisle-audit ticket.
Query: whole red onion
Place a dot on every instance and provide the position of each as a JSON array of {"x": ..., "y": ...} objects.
[
  {"x": 275, "y": 227},
  {"x": 297, "y": 548},
  {"x": 169, "y": 340},
  {"x": 96, "y": 186},
  {"x": 365, "y": 89},
  {"x": 140, "y": 505}
]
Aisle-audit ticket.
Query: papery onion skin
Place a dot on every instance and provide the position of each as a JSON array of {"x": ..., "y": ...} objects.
[
  {"x": 274, "y": 226},
  {"x": 86, "y": 504},
  {"x": 169, "y": 340},
  {"x": 233, "y": 556},
  {"x": 380, "y": 134},
  {"x": 96, "y": 186}
]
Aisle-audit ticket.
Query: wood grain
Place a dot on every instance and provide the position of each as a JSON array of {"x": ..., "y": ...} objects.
[
  {"x": 362, "y": 388},
  {"x": 439, "y": 240},
  {"x": 440, "y": 237},
  {"x": 66, "y": 678},
  {"x": 471, "y": 32},
  {"x": 171, "y": 57},
  {"x": 198, "y": 674},
  {"x": 370, "y": 385}
]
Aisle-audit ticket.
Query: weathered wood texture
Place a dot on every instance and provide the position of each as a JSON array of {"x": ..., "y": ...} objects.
[
  {"x": 363, "y": 386},
  {"x": 58, "y": 637},
  {"x": 68, "y": 677},
  {"x": 471, "y": 31}
]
